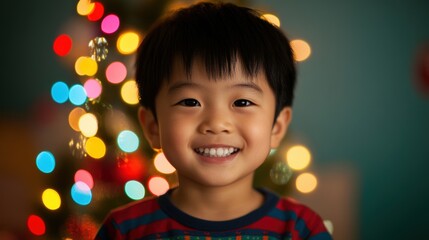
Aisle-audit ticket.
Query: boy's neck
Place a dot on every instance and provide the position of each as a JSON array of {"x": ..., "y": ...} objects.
[{"x": 216, "y": 203}]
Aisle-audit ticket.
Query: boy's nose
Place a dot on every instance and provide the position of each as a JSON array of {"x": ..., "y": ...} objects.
[{"x": 216, "y": 122}]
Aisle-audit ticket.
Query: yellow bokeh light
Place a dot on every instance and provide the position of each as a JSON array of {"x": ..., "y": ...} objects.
[
  {"x": 130, "y": 93},
  {"x": 74, "y": 117},
  {"x": 85, "y": 66},
  {"x": 51, "y": 199},
  {"x": 95, "y": 147},
  {"x": 271, "y": 19},
  {"x": 128, "y": 42},
  {"x": 162, "y": 164},
  {"x": 298, "y": 157},
  {"x": 301, "y": 49},
  {"x": 84, "y": 7},
  {"x": 306, "y": 182},
  {"x": 88, "y": 124},
  {"x": 91, "y": 66}
]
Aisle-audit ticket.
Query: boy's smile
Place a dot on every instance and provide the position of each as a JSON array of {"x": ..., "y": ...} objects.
[
  {"x": 221, "y": 151},
  {"x": 215, "y": 132},
  {"x": 216, "y": 154}
]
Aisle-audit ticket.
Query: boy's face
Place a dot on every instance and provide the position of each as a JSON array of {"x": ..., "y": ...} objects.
[{"x": 215, "y": 131}]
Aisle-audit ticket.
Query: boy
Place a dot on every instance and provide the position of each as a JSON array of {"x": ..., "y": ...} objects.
[{"x": 216, "y": 85}]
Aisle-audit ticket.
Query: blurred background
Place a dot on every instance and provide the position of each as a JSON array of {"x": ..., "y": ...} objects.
[{"x": 358, "y": 146}]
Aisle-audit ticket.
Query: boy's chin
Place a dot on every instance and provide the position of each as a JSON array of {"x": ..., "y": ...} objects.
[{"x": 216, "y": 180}]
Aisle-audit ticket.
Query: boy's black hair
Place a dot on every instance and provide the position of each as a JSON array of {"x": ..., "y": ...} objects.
[{"x": 218, "y": 34}]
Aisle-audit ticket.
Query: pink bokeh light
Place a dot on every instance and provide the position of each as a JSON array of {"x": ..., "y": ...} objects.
[
  {"x": 110, "y": 24},
  {"x": 116, "y": 72},
  {"x": 93, "y": 88}
]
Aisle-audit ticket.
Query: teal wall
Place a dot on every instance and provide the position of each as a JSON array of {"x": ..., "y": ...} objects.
[
  {"x": 29, "y": 65},
  {"x": 357, "y": 102}
]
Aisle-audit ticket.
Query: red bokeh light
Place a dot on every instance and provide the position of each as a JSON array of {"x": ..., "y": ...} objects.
[
  {"x": 36, "y": 225},
  {"x": 130, "y": 167},
  {"x": 62, "y": 45},
  {"x": 97, "y": 12}
]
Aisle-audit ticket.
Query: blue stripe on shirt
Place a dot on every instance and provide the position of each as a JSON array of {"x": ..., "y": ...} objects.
[
  {"x": 300, "y": 225},
  {"x": 131, "y": 224}
]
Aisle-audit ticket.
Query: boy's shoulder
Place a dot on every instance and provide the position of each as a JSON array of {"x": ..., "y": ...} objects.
[
  {"x": 290, "y": 209},
  {"x": 291, "y": 204},
  {"x": 135, "y": 209}
]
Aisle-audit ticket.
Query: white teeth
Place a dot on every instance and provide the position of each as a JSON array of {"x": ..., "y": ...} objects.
[
  {"x": 216, "y": 152},
  {"x": 212, "y": 151}
]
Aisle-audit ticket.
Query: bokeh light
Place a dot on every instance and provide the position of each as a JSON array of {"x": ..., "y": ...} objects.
[
  {"x": 130, "y": 166},
  {"x": 162, "y": 164},
  {"x": 116, "y": 72},
  {"x": 134, "y": 190},
  {"x": 88, "y": 124},
  {"x": 97, "y": 12},
  {"x": 45, "y": 162},
  {"x": 110, "y": 24},
  {"x": 77, "y": 95},
  {"x": 158, "y": 186},
  {"x": 272, "y": 19},
  {"x": 81, "y": 193},
  {"x": 51, "y": 199},
  {"x": 62, "y": 45},
  {"x": 301, "y": 49},
  {"x": 128, "y": 141},
  {"x": 306, "y": 182},
  {"x": 86, "y": 66},
  {"x": 74, "y": 117},
  {"x": 84, "y": 176},
  {"x": 36, "y": 225},
  {"x": 128, "y": 42},
  {"x": 84, "y": 7},
  {"x": 130, "y": 92},
  {"x": 95, "y": 147},
  {"x": 298, "y": 157},
  {"x": 93, "y": 88},
  {"x": 60, "y": 92}
]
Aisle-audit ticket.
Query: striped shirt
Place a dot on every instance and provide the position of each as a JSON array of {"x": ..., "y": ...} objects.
[{"x": 158, "y": 218}]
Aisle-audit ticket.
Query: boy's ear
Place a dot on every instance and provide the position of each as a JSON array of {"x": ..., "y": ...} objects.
[
  {"x": 280, "y": 127},
  {"x": 150, "y": 127}
]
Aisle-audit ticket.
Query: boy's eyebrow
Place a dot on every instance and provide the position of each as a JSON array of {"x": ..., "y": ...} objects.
[
  {"x": 248, "y": 85},
  {"x": 180, "y": 85}
]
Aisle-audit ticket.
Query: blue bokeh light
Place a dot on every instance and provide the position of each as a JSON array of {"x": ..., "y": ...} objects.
[
  {"x": 60, "y": 92},
  {"x": 81, "y": 193},
  {"x": 77, "y": 95},
  {"x": 128, "y": 141},
  {"x": 45, "y": 162},
  {"x": 134, "y": 190}
]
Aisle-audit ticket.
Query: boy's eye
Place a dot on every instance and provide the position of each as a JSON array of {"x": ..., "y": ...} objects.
[
  {"x": 242, "y": 103},
  {"x": 189, "y": 102}
]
